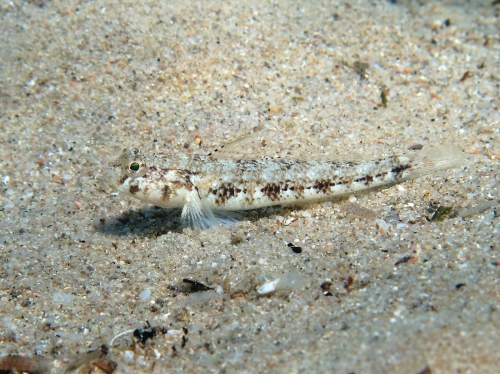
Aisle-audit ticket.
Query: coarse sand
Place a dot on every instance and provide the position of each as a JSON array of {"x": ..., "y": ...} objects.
[{"x": 92, "y": 281}]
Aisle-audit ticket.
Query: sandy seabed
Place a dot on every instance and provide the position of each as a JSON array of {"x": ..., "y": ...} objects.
[{"x": 379, "y": 287}]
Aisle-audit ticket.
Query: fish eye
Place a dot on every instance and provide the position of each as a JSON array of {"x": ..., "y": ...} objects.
[{"x": 134, "y": 165}]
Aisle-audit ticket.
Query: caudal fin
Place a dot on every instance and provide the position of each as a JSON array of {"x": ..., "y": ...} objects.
[{"x": 438, "y": 158}]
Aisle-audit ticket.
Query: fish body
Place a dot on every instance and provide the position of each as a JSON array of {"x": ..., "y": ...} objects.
[{"x": 204, "y": 184}]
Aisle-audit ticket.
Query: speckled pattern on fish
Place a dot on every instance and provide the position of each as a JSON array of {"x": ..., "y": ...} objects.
[{"x": 204, "y": 184}]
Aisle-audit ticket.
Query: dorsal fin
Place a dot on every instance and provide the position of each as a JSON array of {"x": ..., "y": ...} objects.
[
  {"x": 261, "y": 144},
  {"x": 242, "y": 148}
]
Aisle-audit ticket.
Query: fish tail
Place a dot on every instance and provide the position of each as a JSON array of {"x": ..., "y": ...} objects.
[{"x": 443, "y": 157}]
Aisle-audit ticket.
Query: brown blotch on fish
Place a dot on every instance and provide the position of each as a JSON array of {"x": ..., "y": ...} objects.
[
  {"x": 323, "y": 185},
  {"x": 123, "y": 179},
  {"x": 185, "y": 173},
  {"x": 224, "y": 192},
  {"x": 367, "y": 179},
  {"x": 399, "y": 169},
  {"x": 249, "y": 200},
  {"x": 165, "y": 193},
  {"x": 134, "y": 188},
  {"x": 272, "y": 191},
  {"x": 299, "y": 191}
]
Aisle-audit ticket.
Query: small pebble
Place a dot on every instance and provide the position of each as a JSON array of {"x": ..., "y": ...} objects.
[
  {"x": 62, "y": 298},
  {"x": 267, "y": 287},
  {"x": 403, "y": 259},
  {"x": 145, "y": 294},
  {"x": 382, "y": 226},
  {"x": 416, "y": 147},
  {"x": 359, "y": 211},
  {"x": 325, "y": 286},
  {"x": 174, "y": 332},
  {"x": 128, "y": 357},
  {"x": 392, "y": 218}
]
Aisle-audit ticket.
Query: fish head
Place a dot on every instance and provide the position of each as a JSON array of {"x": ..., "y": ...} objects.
[{"x": 131, "y": 175}]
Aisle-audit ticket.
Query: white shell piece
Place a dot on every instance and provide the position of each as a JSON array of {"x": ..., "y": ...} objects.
[
  {"x": 267, "y": 287},
  {"x": 174, "y": 332}
]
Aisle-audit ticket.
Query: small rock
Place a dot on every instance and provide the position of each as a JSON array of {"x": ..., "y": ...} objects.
[
  {"x": 145, "y": 294},
  {"x": 267, "y": 287},
  {"x": 382, "y": 226},
  {"x": 128, "y": 357},
  {"x": 359, "y": 211},
  {"x": 392, "y": 218}
]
